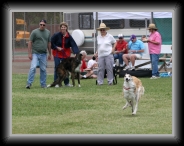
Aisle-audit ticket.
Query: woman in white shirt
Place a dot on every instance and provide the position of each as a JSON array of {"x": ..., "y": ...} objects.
[{"x": 105, "y": 42}]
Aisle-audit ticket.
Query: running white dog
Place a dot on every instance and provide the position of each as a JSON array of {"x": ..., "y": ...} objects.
[{"x": 132, "y": 92}]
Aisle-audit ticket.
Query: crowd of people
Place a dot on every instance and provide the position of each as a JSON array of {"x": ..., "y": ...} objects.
[{"x": 61, "y": 44}]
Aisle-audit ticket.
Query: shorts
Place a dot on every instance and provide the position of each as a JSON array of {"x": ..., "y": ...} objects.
[
  {"x": 138, "y": 56},
  {"x": 83, "y": 73},
  {"x": 95, "y": 72}
]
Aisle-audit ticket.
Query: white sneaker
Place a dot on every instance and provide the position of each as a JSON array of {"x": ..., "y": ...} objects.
[
  {"x": 84, "y": 76},
  {"x": 154, "y": 77},
  {"x": 132, "y": 68},
  {"x": 126, "y": 68},
  {"x": 57, "y": 86},
  {"x": 121, "y": 65},
  {"x": 68, "y": 85},
  {"x": 168, "y": 63},
  {"x": 48, "y": 86}
]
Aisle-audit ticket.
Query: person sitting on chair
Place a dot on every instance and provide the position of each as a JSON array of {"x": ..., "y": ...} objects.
[
  {"x": 135, "y": 47},
  {"x": 120, "y": 49}
]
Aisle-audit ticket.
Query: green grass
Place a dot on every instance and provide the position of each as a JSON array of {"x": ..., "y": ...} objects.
[{"x": 90, "y": 109}]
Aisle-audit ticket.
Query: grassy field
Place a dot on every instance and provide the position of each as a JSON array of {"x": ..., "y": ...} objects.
[{"x": 90, "y": 109}]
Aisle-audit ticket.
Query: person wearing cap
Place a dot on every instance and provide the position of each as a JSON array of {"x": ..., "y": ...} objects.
[
  {"x": 154, "y": 46},
  {"x": 105, "y": 50},
  {"x": 62, "y": 44},
  {"x": 120, "y": 49},
  {"x": 38, "y": 44},
  {"x": 135, "y": 49}
]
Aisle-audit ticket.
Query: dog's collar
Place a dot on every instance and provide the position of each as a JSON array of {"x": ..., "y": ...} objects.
[{"x": 126, "y": 88}]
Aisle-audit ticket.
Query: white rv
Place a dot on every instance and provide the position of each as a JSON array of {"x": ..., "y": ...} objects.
[{"x": 82, "y": 25}]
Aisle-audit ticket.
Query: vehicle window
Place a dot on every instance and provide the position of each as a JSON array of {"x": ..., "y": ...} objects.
[
  {"x": 115, "y": 24},
  {"x": 138, "y": 23}
]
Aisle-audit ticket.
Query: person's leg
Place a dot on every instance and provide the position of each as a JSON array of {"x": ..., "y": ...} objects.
[
  {"x": 89, "y": 73},
  {"x": 94, "y": 75},
  {"x": 154, "y": 62},
  {"x": 43, "y": 71},
  {"x": 32, "y": 70},
  {"x": 116, "y": 56},
  {"x": 126, "y": 58},
  {"x": 120, "y": 59},
  {"x": 109, "y": 60},
  {"x": 132, "y": 59},
  {"x": 56, "y": 63},
  {"x": 101, "y": 70}
]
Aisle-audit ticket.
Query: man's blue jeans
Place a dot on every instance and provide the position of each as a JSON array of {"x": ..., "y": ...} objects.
[
  {"x": 119, "y": 56},
  {"x": 154, "y": 63},
  {"x": 42, "y": 58},
  {"x": 56, "y": 62}
]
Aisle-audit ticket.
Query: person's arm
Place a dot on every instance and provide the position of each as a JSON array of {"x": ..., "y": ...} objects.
[
  {"x": 74, "y": 46},
  {"x": 30, "y": 50},
  {"x": 53, "y": 38},
  {"x": 154, "y": 42},
  {"x": 49, "y": 50},
  {"x": 124, "y": 48},
  {"x": 113, "y": 48}
]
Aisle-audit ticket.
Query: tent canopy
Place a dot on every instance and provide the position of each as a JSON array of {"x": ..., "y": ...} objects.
[{"x": 131, "y": 15}]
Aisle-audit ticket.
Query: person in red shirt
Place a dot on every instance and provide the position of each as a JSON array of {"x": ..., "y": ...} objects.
[
  {"x": 62, "y": 45},
  {"x": 83, "y": 64},
  {"x": 120, "y": 49}
]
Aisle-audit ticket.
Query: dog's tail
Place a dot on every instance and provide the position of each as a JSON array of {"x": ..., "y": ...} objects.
[{"x": 142, "y": 90}]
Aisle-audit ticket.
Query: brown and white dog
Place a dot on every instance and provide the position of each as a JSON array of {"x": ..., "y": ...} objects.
[
  {"x": 132, "y": 92},
  {"x": 68, "y": 65}
]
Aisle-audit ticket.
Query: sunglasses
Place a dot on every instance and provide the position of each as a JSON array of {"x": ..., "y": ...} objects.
[
  {"x": 120, "y": 38},
  {"x": 102, "y": 29},
  {"x": 42, "y": 24}
]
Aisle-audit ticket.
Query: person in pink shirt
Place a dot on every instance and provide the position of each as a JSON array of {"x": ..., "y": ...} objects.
[{"x": 154, "y": 46}]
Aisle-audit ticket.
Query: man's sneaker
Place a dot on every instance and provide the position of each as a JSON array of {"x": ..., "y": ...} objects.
[
  {"x": 121, "y": 65},
  {"x": 28, "y": 86},
  {"x": 48, "y": 85},
  {"x": 132, "y": 68},
  {"x": 154, "y": 77},
  {"x": 43, "y": 86},
  {"x": 126, "y": 68},
  {"x": 168, "y": 63},
  {"x": 68, "y": 85}
]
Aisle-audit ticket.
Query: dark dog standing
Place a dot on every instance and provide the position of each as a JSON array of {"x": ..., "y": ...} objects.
[{"x": 68, "y": 65}]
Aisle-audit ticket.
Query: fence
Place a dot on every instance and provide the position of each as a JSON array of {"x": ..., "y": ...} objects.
[{"x": 22, "y": 25}]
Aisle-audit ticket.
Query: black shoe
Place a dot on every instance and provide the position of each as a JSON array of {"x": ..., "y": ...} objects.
[
  {"x": 44, "y": 86},
  {"x": 28, "y": 86}
]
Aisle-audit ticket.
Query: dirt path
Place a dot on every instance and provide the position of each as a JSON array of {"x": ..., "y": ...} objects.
[{"x": 22, "y": 65}]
